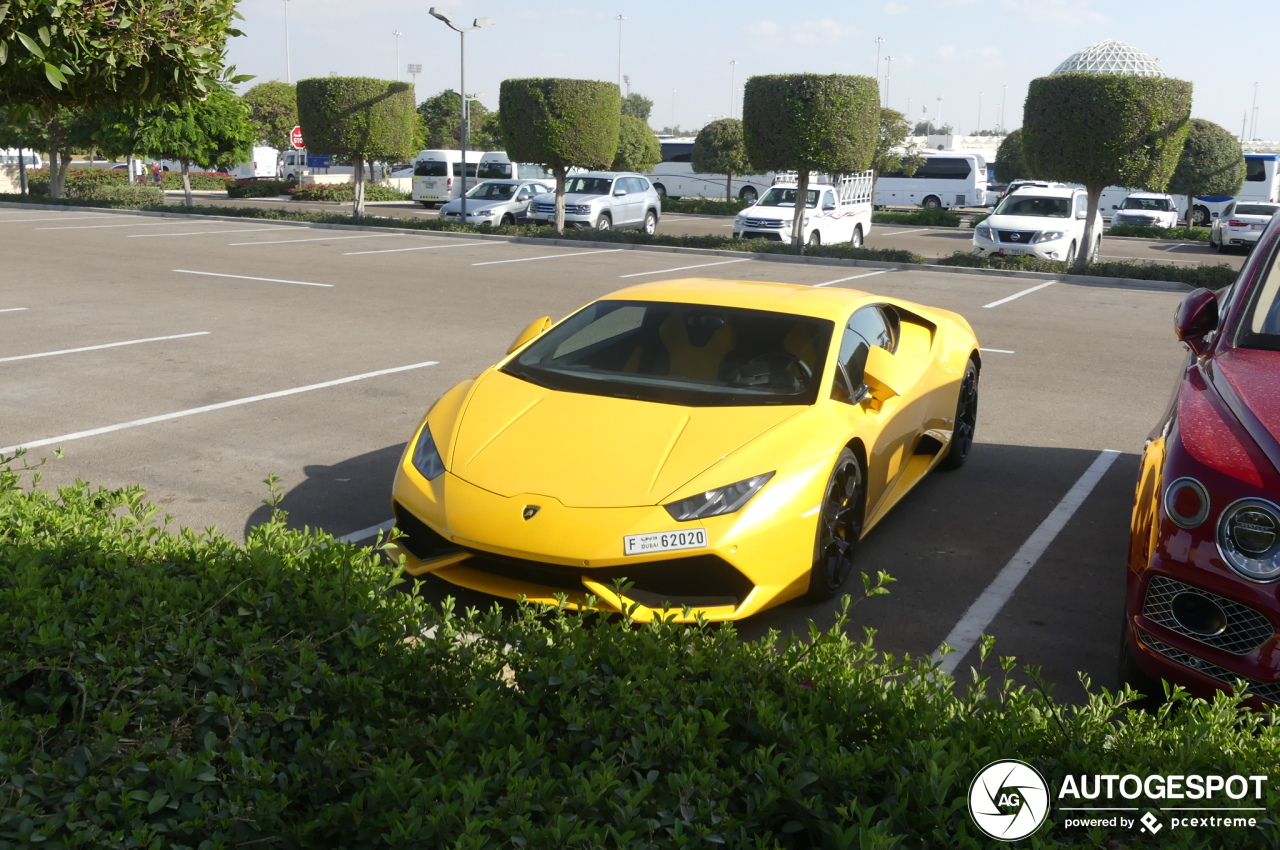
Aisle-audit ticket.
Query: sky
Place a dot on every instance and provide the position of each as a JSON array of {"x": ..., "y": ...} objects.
[{"x": 966, "y": 61}]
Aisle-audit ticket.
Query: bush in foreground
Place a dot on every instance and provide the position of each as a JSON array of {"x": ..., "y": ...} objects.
[
  {"x": 174, "y": 689},
  {"x": 345, "y": 192},
  {"x": 1146, "y": 231},
  {"x": 255, "y": 188},
  {"x": 1211, "y": 277},
  {"x": 925, "y": 218},
  {"x": 703, "y": 206}
]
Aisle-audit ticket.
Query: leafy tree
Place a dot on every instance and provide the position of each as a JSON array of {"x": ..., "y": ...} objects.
[
  {"x": 1211, "y": 164},
  {"x": 637, "y": 106},
  {"x": 810, "y": 122},
  {"x": 1104, "y": 130},
  {"x": 638, "y": 148},
  {"x": 489, "y": 131},
  {"x": 720, "y": 149},
  {"x": 1011, "y": 164},
  {"x": 893, "y": 154},
  {"x": 562, "y": 124},
  {"x": 216, "y": 129},
  {"x": 273, "y": 112},
  {"x": 441, "y": 118},
  {"x": 358, "y": 117},
  {"x": 928, "y": 128}
]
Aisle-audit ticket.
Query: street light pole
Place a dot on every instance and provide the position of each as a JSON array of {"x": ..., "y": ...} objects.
[
  {"x": 441, "y": 15},
  {"x": 979, "y": 127},
  {"x": 288, "y": 67},
  {"x": 939, "y": 112},
  {"x": 397, "y": 34},
  {"x": 733, "y": 66},
  {"x": 1253, "y": 127},
  {"x": 1004, "y": 90},
  {"x": 879, "y": 41},
  {"x": 888, "y": 70},
  {"x": 414, "y": 70},
  {"x": 620, "y": 19}
]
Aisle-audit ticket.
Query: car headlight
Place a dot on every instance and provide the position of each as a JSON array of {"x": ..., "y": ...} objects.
[
  {"x": 482, "y": 213},
  {"x": 426, "y": 457},
  {"x": 722, "y": 500},
  {"x": 983, "y": 231},
  {"x": 1049, "y": 236},
  {"x": 1249, "y": 539}
]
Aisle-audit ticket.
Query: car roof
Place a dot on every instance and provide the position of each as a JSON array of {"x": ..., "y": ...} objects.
[
  {"x": 833, "y": 304},
  {"x": 608, "y": 174},
  {"x": 1042, "y": 191},
  {"x": 1157, "y": 195}
]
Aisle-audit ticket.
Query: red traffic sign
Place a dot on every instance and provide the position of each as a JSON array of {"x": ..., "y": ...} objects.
[{"x": 295, "y": 138}]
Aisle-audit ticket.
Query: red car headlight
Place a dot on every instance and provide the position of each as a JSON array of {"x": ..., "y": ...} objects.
[
  {"x": 1249, "y": 539},
  {"x": 1186, "y": 502}
]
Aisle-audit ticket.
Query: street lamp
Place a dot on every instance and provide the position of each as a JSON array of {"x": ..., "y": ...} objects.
[
  {"x": 441, "y": 15},
  {"x": 1253, "y": 127},
  {"x": 979, "y": 129},
  {"x": 397, "y": 34},
  {"x": 414, "y": 69},
  {"x": 888, "y": 67},
  {"x": 620, "y": 19},
  {"x": 939, "y": 113},
  {"x": 733, "y": 66},
  {"x": 879, "y": 41}
]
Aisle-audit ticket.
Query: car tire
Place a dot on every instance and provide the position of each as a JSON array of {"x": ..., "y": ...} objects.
[
  {"x": 855, "y": 241},
  {"x": 1129, "y": 673},
  {"x": 748, "y": 193},
  {"x": 1221, "y": 247},
  {"x": 1200, "y": 216},
  {"x": 651, "y": 222},
  {"x": 1097, "y": 251},
  {"x": 966, "y": 421},
  {"x": 661, "y": 190},
  {"x": 1071, "y": 255},
  {"x": 428, "y": 205},
  {"x": 839, "y": 528},
  {"x": 604, "y": 222},
  {"x": 932, "y": 203},
  {"x": 815, "y": 239},
  {"x": 507, "y": 220}
]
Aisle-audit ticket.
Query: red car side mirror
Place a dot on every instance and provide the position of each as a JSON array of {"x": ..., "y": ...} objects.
[{"x": 1196, "y": 318}]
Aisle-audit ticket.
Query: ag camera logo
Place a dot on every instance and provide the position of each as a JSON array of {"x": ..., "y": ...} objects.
[{"x": 1008, "y": 799}]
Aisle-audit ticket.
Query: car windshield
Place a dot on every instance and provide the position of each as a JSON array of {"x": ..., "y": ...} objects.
[
  {"x": 492, "y": 192},
  {"x": 587, "y": 186},
  {"x": 1256, "y": 209},
  {"x": 1027, "y": 205},
  {"x": 1150, "y": 204},
  {"x": 779, "y": 197},
  {"x": 1262, "y": 323},
  {"x": 694, "y": 355}
]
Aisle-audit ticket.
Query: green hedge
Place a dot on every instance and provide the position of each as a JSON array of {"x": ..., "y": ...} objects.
[
  {"x": 259, "y": 188},
  {"x": 703, "y": 206},
  {"x": 1146, "y": 231},
  {"x": 123, "y": 196},
  {"x": 173, "y": 689},
  {"x": 927, "y": 218},
  {"x": 200, "y": 180},
  {"x": 344, "y": 192},
  {"x": 1211, "y": 277}
]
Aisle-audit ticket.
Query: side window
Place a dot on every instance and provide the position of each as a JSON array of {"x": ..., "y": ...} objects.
[
  {"x": 1228, "y": 210},
  {"x": 828, "y": 201},
  {"x": 867, "y": 327},
  {"x": 639, "y": 184}
]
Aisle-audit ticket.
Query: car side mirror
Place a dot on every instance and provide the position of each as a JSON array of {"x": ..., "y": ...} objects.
[
  {"x": 883, "y": 374},
  {"x": 1196, "y": 318},
  {"x": 1114, "y": 207},
  {"x": 533, "y": 330},
  {"x": 618, "y": 193}
]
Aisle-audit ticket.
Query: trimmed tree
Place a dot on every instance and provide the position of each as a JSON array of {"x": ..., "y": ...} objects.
[
  {"x": 720, "y": 149},
  {"x": 810, "y": 122},
  {"x": 273, "y": 112},
  {"x": 638, "y": 148},
  {"x": 637, "y": 106},
  {"x": 1010, "y": 163},
  {"x": 561, "y": 124},
  {"x": 361, "y": 118},
  {"x": 441, "y": 118},
  {"x": 894, "y": 155},
  {"x": 1212, "y": 163},
  {"x": 1104, "y": 130}
]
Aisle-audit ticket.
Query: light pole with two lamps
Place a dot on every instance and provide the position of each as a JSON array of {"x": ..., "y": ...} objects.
[{"x": 441, "y": 15}]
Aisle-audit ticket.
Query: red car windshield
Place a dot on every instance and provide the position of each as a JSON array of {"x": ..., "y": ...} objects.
[{"x": 1262, "y": 322}]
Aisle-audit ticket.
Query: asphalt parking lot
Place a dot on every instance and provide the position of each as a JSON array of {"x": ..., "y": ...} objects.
[{"x": 196, "y": 357}]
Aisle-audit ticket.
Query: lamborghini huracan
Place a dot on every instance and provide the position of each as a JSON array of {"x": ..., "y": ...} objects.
[{"x": 695, "y": 447}]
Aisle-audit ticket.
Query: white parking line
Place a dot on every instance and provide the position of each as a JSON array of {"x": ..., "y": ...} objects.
[
  {"x": 100, "y": 226},
  {"x": 851, "y": 277},
  {"x": 1176, "y": 246},
  {"x": 685, "y": 268},
  {"x": 472, "y": 243},
  {"x": 364, "y": 533},
  {"x": 1018, "y": 294},
  {"x": 548, "y": 257},
  {"x": 201, "y": 232},
  {"x": 968, "y": 631},
  {"x": 151, "y": 420},
  {"x": 12, "y": 309},
  {"x": 246, "y": 277},
  {"x": 98, "y": 347},
  {"x": 903, "y": 232},
  {"x": 318, "y": 239},
  {"x": 997, "y": 351}
]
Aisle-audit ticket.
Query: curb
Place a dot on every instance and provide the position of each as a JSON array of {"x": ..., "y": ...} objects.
[{"x": 1080, "y": 280}]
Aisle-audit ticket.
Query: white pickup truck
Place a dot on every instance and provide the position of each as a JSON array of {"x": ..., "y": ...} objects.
[{"x": 839, "y": 212}]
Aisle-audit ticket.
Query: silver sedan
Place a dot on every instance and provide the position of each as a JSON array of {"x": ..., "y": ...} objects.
[{"x": 496, "y": 202}]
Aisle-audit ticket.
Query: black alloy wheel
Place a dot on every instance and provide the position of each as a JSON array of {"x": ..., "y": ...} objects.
[
  {"x": 966, "y": 420},
  {"x": 839, "y": 528}
]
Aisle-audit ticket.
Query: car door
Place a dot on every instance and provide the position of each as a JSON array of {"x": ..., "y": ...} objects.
[
  {"x": 629, "y": 205},
  {"x": 520, "y": 202}
]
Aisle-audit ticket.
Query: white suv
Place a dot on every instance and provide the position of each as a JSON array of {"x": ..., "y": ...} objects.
[
  {"x": 1044, "y": 221},
  {"x": 603, "y": 200}
]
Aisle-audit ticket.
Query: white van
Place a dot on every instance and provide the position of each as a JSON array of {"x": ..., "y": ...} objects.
[
  {"x": 437, "y": 175},
  {"x": 31, "y": 159},
  {"x": 265, "y": 163},
  {"x": 494, "y": 165}
]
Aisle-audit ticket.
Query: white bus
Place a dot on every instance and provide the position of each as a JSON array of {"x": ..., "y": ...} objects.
[
  {"x": 674, "y": 176},
  {"x": 945, "y": 179},
  {"x": 1261, "y": 183},
  {"x": 495, "y": 165}
]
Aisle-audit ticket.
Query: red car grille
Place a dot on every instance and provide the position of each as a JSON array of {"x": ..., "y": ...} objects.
[
  {"x": 1267, "y": 691},
  {"x": 1244, "y": 629}
]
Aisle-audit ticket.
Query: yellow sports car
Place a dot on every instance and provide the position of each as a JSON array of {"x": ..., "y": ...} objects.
[{"x": 714, "y": 447}]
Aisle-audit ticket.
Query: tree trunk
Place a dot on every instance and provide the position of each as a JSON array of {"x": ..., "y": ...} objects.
[
  {"x": 802, "y": 207},
  {"x": 560, "y": 172},
  {"x": 58, "y": 160},
  {"x": 357, "y": 199},
  {"x": 728, "y": 188},
  {"x": 186, "y": 182},
  {"x": 22, "y": 171},
  {"x": 1084, "y": 251},
  {"x": 1191, "y": 213}
]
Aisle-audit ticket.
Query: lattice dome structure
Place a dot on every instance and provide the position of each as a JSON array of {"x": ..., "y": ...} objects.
[{"x": 1111, "y": 57}]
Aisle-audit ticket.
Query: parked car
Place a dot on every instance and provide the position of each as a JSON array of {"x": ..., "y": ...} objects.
[
  {"x": 1045, "y": 221},
  {"x": 499, "y": 202},
  {"x": 603, "y": 200},
  {"x": 1240, "y": 224},
  {"x": 1201, "y": 606},
  {"x": 1147, "y": 208},
  {"x": 722, "y": 445},
  {"x": 1015, "y": 185},
  {"x": 841, "y": 212}
]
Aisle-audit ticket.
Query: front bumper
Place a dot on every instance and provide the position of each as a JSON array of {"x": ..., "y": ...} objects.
[
  {"x": 755, "y": 558},
  {"x": 1055, "y": 250}
]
